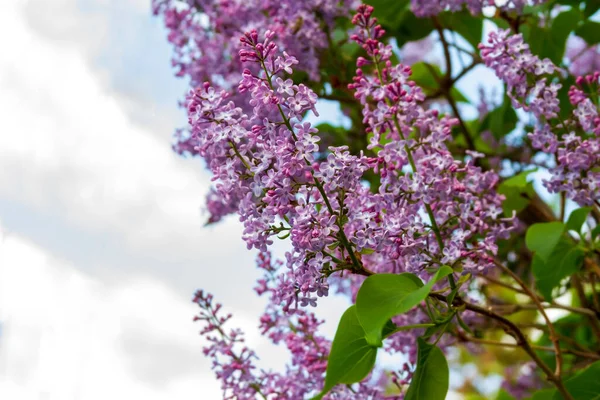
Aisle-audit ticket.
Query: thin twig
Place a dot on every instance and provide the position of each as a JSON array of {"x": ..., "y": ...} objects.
[
  {"x": 500, "y": 283},
  {"x": 517, "y": 334},
  {"x": 583, "y": 300},
  {"x": 541, "y": 348},
  {"x": 514, "y": 308},
  {"x": 536, "y": 300}
]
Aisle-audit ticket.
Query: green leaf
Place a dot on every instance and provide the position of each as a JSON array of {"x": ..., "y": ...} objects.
[
  {"x": 550, "y": 42},
  {"x": 590, "y": 32},
  {"x": 542, "y": 238},
  {"x": 458, "y": 96},
  {"x": 500, "y": 121},
  {"x": 596, "y": 232},
  {"x": 503, "y": 395},
  {"x": 351, "y": 357},
  {"x": 465, "y": 24},
  {"x": 431, "y": 378},
  {"x": 410, "y": 28},
  {"x": 520, "y": 180},
  {"x": 383, "y": 296},
  {"x": 399, "y": 21},
  {"x": 575, "y": 326},
  {"x": 566, "y": 108},
  {"x": 545, "y": 394},
  {"x": 540, "y": 41},
  {"x": 424, "y": 75},
  {"x": 591, "y": 7},
  {"x": 585, "y": 385},
  {"x": 516, "y": 199},
  {"x": 578, "y": 218},
  {"x": 388, "y": 329},
  {"x": 501, "y": 23},
  {"x": 518, "y": 192},
  {"x": 562, "y": 26},
  {"x": 565, "y": 260},
  {"x": 389, "y": 13}
]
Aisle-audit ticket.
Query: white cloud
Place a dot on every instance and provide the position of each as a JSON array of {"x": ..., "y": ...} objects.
[
  {"x": 61, "y": 126},
  {"x": 69, "y": 150},
  {"x": 66, "y": 335}
]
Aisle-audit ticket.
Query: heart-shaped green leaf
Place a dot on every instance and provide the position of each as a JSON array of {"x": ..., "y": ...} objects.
[
  {"x": 351, "y": 357},
  {"x": 577, "y": 219},
  {"x": 585, "y": 385},
  {"x": 565, "y": 260},
  {"x": 542, "y": 238},
  {"x": 431, "y": 378},
  {"x": 383, "y": 296}
]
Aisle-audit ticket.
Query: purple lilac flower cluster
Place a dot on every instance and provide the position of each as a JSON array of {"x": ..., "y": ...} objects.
[
  {"x": 528, "y": 79},
  {"x": 428, "y": 210},
  {"x": 264, "y": 165},
  {"x": 522, "y": 380},
  {"x": 235, "y": 364},
  {"x": 429, "y": 207},
  {"x": 583, "y": 58},
  {"x": 575, "y": 142},
  {"x": 205, "y": 33},
  {"x": 578, "y": 152}
]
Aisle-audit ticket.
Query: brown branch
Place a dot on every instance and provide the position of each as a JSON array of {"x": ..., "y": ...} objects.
[
  {"x": 536, "y": 300},
  {"x": 462, "y": 73},
  {"x": 585, "y": 354},
  {"x": 500, "y": 283},
  {"x": 466, "y": 70},
  {"x": 571, "y": 341},
  {"x": 462, "y": 124},
  {"x": 583, "y": 300},
  {"x": 517, "y": 334},
  {"x": 508, "y": 309},
  {"x": 440, "y": 31}
]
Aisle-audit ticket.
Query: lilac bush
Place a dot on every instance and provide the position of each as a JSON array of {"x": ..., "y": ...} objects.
[{"x": 427, "y": 221}]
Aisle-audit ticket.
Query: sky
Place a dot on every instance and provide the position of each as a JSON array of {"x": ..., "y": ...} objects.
[{"x": 102, "y": 242}]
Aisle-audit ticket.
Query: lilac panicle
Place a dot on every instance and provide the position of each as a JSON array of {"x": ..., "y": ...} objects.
[
  {"x": 204, "y": 35},
  {"x": 419, "y": 176},
  {"x": 235, "y": 365},
  {"x": 574, "y": 142}
]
